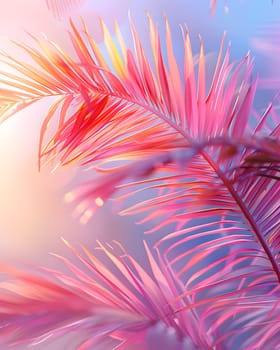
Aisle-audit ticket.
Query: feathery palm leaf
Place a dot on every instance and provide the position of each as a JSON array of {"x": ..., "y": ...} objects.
[
  {"x": 130, "y": 114},
  {"x": 122, "y": 302},
  {"x": 113, "y": 302}
]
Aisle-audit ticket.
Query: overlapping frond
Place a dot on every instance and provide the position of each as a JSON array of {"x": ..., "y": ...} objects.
[
  {"x": 121, "y": 302},
  {"x": 112, "y": 301}
]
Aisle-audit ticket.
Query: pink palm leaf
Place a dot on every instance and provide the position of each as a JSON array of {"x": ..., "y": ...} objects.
[
  {"x": 122, "y": 303},
  {"x": 113, "y": 302}
]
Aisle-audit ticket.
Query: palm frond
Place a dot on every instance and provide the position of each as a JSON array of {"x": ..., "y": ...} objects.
[
  {"x": 112, "y": 300},
  {"x": 125, "y": 105},
  {"x": 109, "y": 298}
]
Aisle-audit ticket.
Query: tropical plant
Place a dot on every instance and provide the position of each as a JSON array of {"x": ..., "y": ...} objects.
[
  {"x": 214, "y": 164},
  {"x": 126, "y": 305}
]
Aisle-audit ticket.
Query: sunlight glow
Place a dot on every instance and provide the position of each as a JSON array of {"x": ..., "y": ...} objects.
[{"x": 99, "y": 202}]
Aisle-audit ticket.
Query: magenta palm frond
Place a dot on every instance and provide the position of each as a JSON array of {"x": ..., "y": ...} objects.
[
  {"x": 113, "y": 302},
  {"x": 123, "y": 303},
  {"x": 126, "y": 104},
  {"x": 130, "y": 112}
]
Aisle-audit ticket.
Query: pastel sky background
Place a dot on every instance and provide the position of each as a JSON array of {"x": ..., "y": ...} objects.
[{"x": 33, "y": 215}]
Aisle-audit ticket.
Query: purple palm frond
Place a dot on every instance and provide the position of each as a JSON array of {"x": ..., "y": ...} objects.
[
  {"x": 123, "y": 303},
  {"x": 111, "y": 301}
]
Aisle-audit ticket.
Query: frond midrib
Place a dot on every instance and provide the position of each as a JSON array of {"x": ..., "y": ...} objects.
[{"x": 243, "y": 208}]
